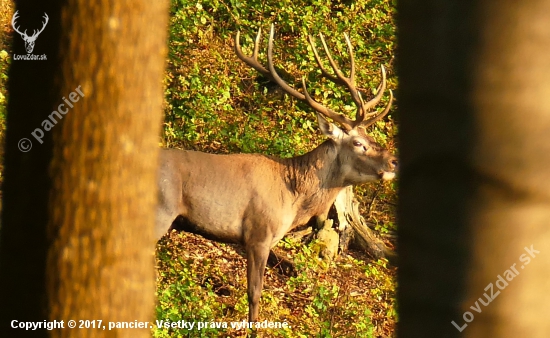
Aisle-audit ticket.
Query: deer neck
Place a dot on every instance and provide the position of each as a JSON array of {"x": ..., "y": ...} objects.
[{"x": 315, "y": 178}]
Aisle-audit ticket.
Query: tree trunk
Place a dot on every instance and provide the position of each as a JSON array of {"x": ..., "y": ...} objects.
[
  {"x": 77, "y": 237},
  {"x": 347, "y": 209},
  {"x": 474, "y": 183}
]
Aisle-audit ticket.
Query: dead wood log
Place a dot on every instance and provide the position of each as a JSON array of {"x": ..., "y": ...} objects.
[
  {"x": 347, "y": 215},
  {"x": 351, "y": 228}
]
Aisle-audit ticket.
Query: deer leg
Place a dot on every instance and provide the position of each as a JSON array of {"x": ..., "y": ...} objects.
[
  {"x": 256, "y": 260},
  {"x": 164, "y": 221}
]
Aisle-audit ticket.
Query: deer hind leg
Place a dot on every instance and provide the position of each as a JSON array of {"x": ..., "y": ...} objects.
[{"x": 256, "y": 255}]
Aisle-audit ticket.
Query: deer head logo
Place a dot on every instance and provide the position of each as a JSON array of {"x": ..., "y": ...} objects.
[{"x": 29, "y": 40}]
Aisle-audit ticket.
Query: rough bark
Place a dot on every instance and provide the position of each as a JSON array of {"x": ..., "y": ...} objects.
[
  {"x": 77, "y": 237},
  {"x": 474, "y": 188}
]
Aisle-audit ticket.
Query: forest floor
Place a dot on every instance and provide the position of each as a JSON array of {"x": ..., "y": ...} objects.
[{"x": 353, "y": 296}]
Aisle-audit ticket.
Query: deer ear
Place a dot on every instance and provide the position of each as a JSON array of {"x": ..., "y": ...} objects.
[{"x": 329, "y": 129}]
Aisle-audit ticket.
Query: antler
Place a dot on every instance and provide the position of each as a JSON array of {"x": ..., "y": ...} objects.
[
  {"x": 15, "y": 17},
  {"x": 253, "y": 62},
  {"x": 349, "y": 82}
]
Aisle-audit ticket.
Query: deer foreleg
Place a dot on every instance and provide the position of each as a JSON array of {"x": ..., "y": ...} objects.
[{"x": 256, "y": 259}]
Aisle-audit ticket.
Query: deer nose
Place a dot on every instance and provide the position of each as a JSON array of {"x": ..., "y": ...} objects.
[{"x": 393, "y": 163}]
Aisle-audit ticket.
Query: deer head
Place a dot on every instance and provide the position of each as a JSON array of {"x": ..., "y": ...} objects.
[{"x": 362, "y": 158}]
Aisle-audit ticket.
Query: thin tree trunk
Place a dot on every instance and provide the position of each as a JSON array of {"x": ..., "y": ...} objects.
[
  {"x": 474, "y": 188},
  {"x": 77, "y": 237}
]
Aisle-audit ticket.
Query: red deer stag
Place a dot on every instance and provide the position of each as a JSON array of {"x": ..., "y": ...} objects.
[{"x": 256, "y": 199}]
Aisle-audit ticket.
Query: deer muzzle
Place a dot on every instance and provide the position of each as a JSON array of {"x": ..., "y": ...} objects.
[{"x": 390, "y": 170}]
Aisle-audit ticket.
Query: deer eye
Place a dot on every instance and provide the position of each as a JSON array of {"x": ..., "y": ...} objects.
[{"x": 357, "y": 144}]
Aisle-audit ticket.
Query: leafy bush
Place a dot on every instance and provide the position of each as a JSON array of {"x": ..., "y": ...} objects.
[{"x": 216, "y": 103}]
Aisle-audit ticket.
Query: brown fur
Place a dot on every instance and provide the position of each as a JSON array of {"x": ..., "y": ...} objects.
[{"x": 255, "y": 200}]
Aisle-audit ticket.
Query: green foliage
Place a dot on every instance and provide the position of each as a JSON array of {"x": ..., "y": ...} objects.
[
  {"x": 333, "y": 312},
  {"x": 323, "y": 300},
  {"x": 184, "y": 295},
  {"x": 216, "y": 103}
]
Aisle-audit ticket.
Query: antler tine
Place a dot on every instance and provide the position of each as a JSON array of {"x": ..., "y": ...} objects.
[
  {"x": 351, "y": 60},
  {"x": 372, "y": 120},
  {"x": 273, "y": 72},
  {"x": 368, "y": 115},
  {"x": 320, "y": 64},
  {"x": 324, "y": 72},
  {"x": 349, "y": 82},
  {"x": 252, "y": 61},
  {"x": 257, "y": 44},
  {"x": 379, "y": 92}
]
